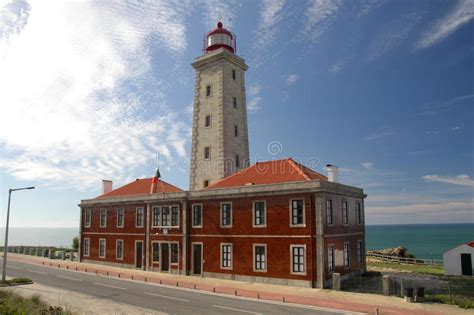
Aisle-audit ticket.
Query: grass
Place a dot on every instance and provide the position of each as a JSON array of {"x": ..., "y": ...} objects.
[
  {"x": 421, "y": 269},
  {"x": 12, "y": 303},
  {"x": 459, "y": 300},
  {"x": 16, "y": 281}
]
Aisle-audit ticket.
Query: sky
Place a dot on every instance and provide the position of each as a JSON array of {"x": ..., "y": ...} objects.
[{"x": 104, "y": 90}]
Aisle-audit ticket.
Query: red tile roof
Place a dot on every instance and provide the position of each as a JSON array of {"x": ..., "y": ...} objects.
[
  {"x": 471, "y": 243},
  {"x": 140, "y": 187},
  {"x": 270, "y": 172}
]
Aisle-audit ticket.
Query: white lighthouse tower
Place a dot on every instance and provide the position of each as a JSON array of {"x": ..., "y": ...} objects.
[{"x": 220, "y": 144}]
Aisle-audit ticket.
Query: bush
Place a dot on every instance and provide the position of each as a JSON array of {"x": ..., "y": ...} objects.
[{"x": 75, "y": 243}]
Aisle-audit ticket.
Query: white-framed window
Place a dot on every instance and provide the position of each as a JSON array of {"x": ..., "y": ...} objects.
[
  {"x": 298, "y": 259},
  {"x": 331, "y": 258},
  {"x": 156, "y": 217},
  {"x": 207, "y": 153},
  {"x": 174, "y": 253},
  {"x": 297, "y": 215},
  {"x": 119, "y": 250},
  {"x": 260, "y": 257},
  {"x": 259, "y": 214},
  {"x": 139, "y": 217},
  {"x": 155, "y": 255},
  {"x": 345, "y": 213},
  {"x": 360, "y": 252},
  {"x": 103, "y": 218},
  {"x": 346, "y": 255},
  {"x": 226, "y": 214},
  {"x": 175, "y": 216},
  {"x": 226, "y": 256},
  {"x": 329, "y": 213},
  {"x": 87, "y": 247},
  {"x": 359, "y": 213},
  {"x": 165, "y": 216},
  {"x": 120, "y": 217},
  {"x": 87, "y": 218},
  {"x": 102, "y": 248},
  {"x": 197, "y": 216}
]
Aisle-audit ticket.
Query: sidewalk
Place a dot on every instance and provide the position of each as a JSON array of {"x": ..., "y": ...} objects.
[{"x": 348, "y": 301}]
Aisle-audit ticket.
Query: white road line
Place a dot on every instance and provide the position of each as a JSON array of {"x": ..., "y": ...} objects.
[
  {"x": 69, "y": 278},
  {"x": 40, "y": 272},
  {"x": 167, "y": 297},
  {"x": 234, "y": 309},
  {"x": 110, "y": 286},
  {"x": 13, "y": 267}
]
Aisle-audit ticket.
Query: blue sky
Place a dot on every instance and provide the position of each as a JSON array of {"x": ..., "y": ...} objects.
[{"x": 382, "y": 89}]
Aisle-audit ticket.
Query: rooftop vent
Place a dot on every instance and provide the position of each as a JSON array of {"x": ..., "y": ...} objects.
[{"x": 106, "y": 186}]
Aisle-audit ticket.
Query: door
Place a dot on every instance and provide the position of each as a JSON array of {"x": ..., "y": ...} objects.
[
  {"x": 165, "y": 257},
  {"x": 138, "y": 254},
  {"x": 197, "y": 258},
  {"x": 466, "y": 264}
]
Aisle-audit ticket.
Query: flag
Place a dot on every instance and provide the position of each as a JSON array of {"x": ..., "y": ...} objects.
[{"x": 155, "y": 181}]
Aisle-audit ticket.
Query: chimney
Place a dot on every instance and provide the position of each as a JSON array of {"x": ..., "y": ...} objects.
[
  {"x": 106, "y": 186},
  {"x": 333, "y": 173}
]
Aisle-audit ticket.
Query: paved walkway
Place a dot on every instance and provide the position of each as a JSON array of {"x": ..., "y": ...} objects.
[{"x": 348, "y": 301}]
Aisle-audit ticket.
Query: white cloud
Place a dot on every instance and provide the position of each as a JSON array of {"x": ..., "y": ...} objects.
[
  {"x": 461, "y": 14},
  {"x": 13, "y": 17},
  {"x": 215, "y": 10},
  {"x": 318, "y": 17},
  {"x": 369, "y": 5},
  {"x": 291, "y": 79},
  {"x": 383, "y": 133},
  {"x": 70, "y": 118},
  {"x": 462, "y": 180},
  {"x": 255, "y": 98},
  {"x": 367, "y": 165},
  {"x": 271, "y": 12}
]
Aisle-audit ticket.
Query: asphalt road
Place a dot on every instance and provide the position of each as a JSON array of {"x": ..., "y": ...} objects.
[{"x": 154, "y": 297}]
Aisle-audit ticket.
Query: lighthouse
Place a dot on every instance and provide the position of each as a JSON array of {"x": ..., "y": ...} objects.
[{"x": 220, "y": 144}]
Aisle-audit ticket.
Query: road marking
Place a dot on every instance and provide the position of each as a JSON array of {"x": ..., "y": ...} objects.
[
  {"x": 234, "y": 309},
  {"x": 40, "y": 272},
  {"x": 110, "y": 286},
  {"x": 13, "y": 267},
  {"x": 69, "y": 278},
  {"x": 167, "y": 297}
]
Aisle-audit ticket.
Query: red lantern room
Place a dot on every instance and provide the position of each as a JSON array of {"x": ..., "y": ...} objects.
[{"x": 220, "y": 37}]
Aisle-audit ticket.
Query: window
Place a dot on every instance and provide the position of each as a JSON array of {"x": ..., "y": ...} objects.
[
  {"x": 207, "y": 153},
  {"x": 208, "y": 121},
  {"x": 345, "y": 215},
  {"x": 360, "y": 252},
  {"x": 205, "y": 183},
  {"x": 297, "y": 212},
  {"x": 197, "y": 215},
  {"x": 331, "y": 258},
  {"x": 259, "y": 214},
  {"x": 156, "y": 216},
  {"x": 346, "y": 254},
  {"x": 139, "y": 217},
  {"x": 165, "y": 216},
  {"x": 119, "y": 250},
  {"x": 103, "y": 218},
  {"x": 174, "y": 253},
  {"x": 226, "y": 256},
  {"x": 156, "y": 252},
  {"x": 234, "y": 101},
  {"x": 208, "y": 90},
  {"x": 87, "y": 247},
  {"x": 359, "y": 213},
  {"x": 102, "y": 248},
  {"x": 120, "y": 217},
  {"x": 174, "y": 216},
  {"x": 226, "y": 215},
  {"x": 298, "y": 259},
  {"x": 236, "y": 130},
  {"x": 329, "y": 217},
  {"x": 260, "y": 257},
  {"x": 87, "y": 219},
  {"x": 233, "y": 74},
  {"x": 237, "y": 160}
]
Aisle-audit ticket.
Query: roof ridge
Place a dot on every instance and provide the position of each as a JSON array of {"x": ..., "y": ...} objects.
[
  {"x": 298, "y": 168},
  {"x": 232, "y": 175}
]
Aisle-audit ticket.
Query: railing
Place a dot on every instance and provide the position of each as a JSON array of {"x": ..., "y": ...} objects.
[{"x": 408, "y": 261}]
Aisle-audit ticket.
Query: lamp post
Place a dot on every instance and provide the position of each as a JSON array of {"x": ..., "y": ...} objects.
[{"x": 5, "y": 251}]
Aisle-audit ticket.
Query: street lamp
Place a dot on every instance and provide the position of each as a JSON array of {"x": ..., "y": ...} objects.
[{"x": 5, "y": 251}]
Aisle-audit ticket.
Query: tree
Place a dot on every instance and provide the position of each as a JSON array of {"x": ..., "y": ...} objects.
[{"x": 75, "y": 243}]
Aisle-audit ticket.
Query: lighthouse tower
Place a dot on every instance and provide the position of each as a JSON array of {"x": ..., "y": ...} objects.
[{"x": 220, "y": 144}]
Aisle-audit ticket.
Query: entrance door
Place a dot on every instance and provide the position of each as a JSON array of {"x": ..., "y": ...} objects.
[
  {"x": 466, "y": 264},
  {"x": 197, "y": 258},
  {"x": 138, "y": 254},
  {"x": 165, "y": 257}
]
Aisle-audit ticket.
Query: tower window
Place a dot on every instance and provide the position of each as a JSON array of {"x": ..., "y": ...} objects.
[
  {"x": 237, "y": 162},
  {"x": 234, "y": 102},
  {"x": 236, "y": 130},
  {"x": 208, "y": 90},
  {"x": 233, "y": 74},
  {"x": 208, "y": 121},
  {"x": 207, "y": 153},
  {"x": 206, "y": 183}
]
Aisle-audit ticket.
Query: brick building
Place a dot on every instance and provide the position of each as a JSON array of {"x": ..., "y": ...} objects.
[{"x": 275, "y": 222}]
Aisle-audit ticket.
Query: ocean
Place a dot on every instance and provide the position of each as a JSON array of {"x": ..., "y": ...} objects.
[{"x": 424, "y": 241}]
